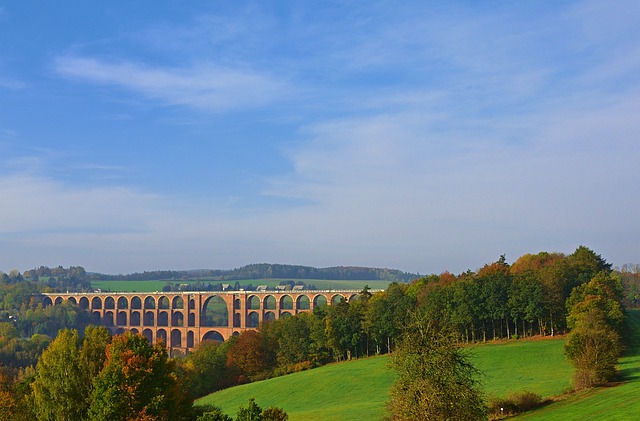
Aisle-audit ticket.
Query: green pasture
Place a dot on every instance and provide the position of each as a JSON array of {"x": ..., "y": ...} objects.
[
  {"x": 152, "y": 286},
  {"x": 352, "y": 390},
  {"x": 357, "y": 389},
  {"x": 618, "y": 402},
  {"x": 537, "y": 366}
]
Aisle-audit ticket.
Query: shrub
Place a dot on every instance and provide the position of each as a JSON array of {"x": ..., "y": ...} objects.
[{"x": 514, "y": 403}]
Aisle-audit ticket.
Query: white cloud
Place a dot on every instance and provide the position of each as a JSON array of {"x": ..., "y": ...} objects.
[{"x": 207, "y": 87}]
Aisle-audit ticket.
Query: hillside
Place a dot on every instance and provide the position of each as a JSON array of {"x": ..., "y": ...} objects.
[
  {"x": 618, "y": 403},
  {"x": 267, "y": 271},
  {"x": 357, "y": 390}
]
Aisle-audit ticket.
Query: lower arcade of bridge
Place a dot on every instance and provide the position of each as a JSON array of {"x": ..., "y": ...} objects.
[{"x": 181, "y": 320}]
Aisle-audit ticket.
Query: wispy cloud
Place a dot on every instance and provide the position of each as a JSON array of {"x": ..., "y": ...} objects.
[
  {"x": 207, "y": 87},
  {"x": 11, "y": 84}
]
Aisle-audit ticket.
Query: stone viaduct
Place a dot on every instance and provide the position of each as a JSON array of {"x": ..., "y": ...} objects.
[{"x": 184, "y": 319}]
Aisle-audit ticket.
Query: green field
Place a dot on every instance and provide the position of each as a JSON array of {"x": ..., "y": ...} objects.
[
  {"x": 152, "y": 286},
  {"x": 607, "y": 403},
  {"x": 352, "y": 390},
  {"x": 357, "y": 390}
]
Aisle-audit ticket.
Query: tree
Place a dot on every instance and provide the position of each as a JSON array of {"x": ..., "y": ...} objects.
[
  {"x": 251, "y": 412},
  {"x": 205, "y": 368},
  {"x": 58, "y": 386},
  {"x": 213, "y": 413},
  {"x": 597, "y": 317},
  {"x": 137, "y": 382},
  {"x": 435, "y": 380},
  {"x": 248, "y": 353}
]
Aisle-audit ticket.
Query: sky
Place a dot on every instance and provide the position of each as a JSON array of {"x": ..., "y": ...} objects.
[{"x": 418, "y": 135}]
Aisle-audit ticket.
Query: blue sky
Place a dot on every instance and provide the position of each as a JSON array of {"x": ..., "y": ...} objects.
[{"x": 422, "y": 136}]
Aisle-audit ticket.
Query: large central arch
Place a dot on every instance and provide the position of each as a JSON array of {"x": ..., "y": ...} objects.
[{"x": 215, "y": 312}]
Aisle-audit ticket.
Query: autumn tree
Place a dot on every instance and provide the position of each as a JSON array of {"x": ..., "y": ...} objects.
[
  {"x": 137, "y": 382},
  {"x": 435, "y": 380},
  {"x": 249, "y": 354}
]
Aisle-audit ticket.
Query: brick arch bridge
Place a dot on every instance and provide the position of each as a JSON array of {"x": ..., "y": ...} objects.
[{"x": 184, "y": 319}]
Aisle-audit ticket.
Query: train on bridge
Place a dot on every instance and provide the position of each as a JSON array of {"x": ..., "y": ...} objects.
[{"x": 181, "y": 320}]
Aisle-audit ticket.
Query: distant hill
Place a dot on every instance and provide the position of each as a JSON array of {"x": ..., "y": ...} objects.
[{"x": 266, "y": 270}]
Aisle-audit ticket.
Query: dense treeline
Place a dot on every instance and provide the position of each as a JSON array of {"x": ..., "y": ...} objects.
[
  {"x": 501, "y": 300},
  {"x": 264, "y": 270}
]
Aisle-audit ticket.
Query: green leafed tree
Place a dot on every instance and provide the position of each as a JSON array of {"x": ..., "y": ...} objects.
[
  {"x": 435, "y": 380},
  {"x": 597, "y": 319},
  {"x": 58, "y": 386}
]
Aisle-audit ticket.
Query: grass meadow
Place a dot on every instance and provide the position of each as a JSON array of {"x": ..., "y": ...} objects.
[
  {"x": 618, "y": 402},
  {"x": 358, "y": 389}
]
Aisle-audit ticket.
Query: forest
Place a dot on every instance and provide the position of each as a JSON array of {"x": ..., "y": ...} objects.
[
  {"x": 265, "y": 270},
  {"x": 538, "y": 294}
]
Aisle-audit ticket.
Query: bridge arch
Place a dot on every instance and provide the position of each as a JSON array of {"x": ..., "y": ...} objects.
[
  {"x": 337, "y": 299},
  {"x": 135, "y": 318},
  {"x": 149, "y": 318},
  {"x": 215, "y": 312},
  {"x": 121, "y": 319},
  {"x": 161, "y": 335},
  {"x": 213, "y": 335},
  {"x": 286, "y": 302},
  {"x": 72, "y": 300},
  {"x": 83, "y": 303},
  {"x": 46, "y": 301},
  {"x": 319, "y": 300},
  {"x": 163, "y": 318},
  {"x": 285, "y": 315},
  {"x": 163, "y": 303},
  {"x": 58, "y": 301},
  {"x": 123, "y": 303},
  {"x": 109, "y": 303},
  {"x": 253, "y": 319},
  {"x": 176, "y": 338},
  {"x": 149, "y": 303},
  {"x": 136, "y": 302},
  {"x": 177, "y": 302},
  {"x": 269, "y": 302},
  {"x": 96, "y": 303},
  {"x": 253, "y": 302},
  {"x": 148, "y": 333},
  {"x": 303, "y": 303},
  {"x": 108, "y": 318},
  {"x": 190, "y": 339},
  {"x": 269, "y": 316}
]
